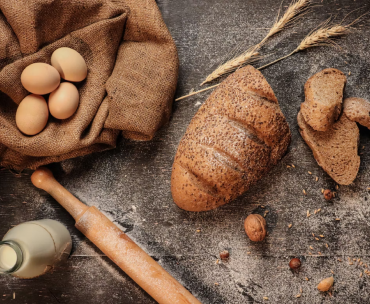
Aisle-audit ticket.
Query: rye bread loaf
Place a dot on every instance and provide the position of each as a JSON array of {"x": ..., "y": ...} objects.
[
  {"x": 335, "y": 150},
  {"x": 235, "y": 138},
  {"x": 324, "y": 96},
  {"x": 358, "y": 110}
]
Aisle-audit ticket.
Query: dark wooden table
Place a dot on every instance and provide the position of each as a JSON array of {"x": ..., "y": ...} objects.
[{"x": 132, "y": 183}]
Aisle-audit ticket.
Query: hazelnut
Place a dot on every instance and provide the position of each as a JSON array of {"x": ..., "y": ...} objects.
[
  {"x": 295, "y": 263},
  {"x": 328, "y": 194},
  {"x": 326, "y": 284},
  {"x": 224, "y": 255},
  {"x": 255, "y": 227}
]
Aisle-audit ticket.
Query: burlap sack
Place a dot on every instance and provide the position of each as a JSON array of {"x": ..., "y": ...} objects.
[{"x": 132, "y": 74}]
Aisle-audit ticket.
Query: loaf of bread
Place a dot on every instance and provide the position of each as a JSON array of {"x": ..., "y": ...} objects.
[
  {"x": 324, "y": 97},
  {"x": 235, "y": 138},
  {"x": 335, "y": 150},
  {"x": 358, "y": 110}
]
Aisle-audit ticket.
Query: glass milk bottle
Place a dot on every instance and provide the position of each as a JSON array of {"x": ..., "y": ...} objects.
[{"x": 32, "y": 248}]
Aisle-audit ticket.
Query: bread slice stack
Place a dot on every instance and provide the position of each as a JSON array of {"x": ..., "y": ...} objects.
[{"x": 333, "y": 135}]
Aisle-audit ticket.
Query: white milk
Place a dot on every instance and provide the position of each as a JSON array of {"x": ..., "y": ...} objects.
[
  {"x": 33, "y": 248},
  {"x": 8, "y": 257}
]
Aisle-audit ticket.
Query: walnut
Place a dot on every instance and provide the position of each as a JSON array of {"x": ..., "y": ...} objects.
[{"x": 255, "y": 227}]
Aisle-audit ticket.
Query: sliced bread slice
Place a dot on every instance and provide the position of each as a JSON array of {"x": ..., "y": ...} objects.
[
  {"x": 324, "y": 96},
  {"x": 357, "y": 109},
  {"x": 335, "y": 150}
]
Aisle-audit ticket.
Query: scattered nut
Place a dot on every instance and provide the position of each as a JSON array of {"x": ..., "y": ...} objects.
[
  {"x": 326, "y": 284},
  {"x": 295, "y": 263},
  {"x": 224, "y": 255},
  {"x": 255, "y": 227},
  {"x": 328, "y": 195}
]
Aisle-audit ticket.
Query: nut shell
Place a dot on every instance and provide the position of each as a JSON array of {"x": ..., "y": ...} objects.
[
  {"x": 224, "y": 255},
  {"x": 326, "y": 284},
  {"x": 255, "y": 227},
  {"x": 328, "y": 195},
  {"x": 295, "y": 263}
]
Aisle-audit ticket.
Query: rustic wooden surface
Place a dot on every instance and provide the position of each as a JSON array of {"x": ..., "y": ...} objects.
[{"x": 132, "y": 184}]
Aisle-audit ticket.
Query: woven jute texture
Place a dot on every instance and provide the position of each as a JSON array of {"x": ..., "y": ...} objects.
[{"x": 132, "y": 74}]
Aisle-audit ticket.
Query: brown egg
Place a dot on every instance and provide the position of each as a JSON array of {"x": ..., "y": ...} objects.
[
  {"x": 63, "y": 102},
  {"x": 40, "y": 78},
  {"x": 32, "y": 114},
  {"x": 70, "y": 64}
]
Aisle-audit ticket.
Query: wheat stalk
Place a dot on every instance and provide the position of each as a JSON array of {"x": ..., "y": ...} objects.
[
  {"x": 294, "y": 11},
  {"x": 319, "y": 37},
  {"x": 247, "y": 57}
]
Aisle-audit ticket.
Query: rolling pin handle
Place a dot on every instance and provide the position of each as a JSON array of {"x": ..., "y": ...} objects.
[
  {"x": 41, "y": 177},
  {"x": 44, "y": 179}
]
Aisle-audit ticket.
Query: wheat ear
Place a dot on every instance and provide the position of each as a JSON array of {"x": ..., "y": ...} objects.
[
  {"x": 319, "y": 37},
  {"x": 322, "y": 36},
  {"x": 295, "y": 10}
]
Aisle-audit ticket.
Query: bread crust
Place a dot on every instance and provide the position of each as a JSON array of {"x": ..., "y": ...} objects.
[
  {"x": 335, "y": 150},
  {"x": 324, "y": 96},
  {"x": 235, "y": 138},
  {"x": 358, "y": 110}
]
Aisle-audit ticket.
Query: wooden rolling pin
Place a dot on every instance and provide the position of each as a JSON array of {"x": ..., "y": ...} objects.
[{"x": 146, "y": 272}]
